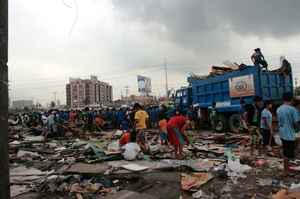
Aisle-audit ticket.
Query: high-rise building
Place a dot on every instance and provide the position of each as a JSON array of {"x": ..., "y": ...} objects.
[{"x": 85, "y": 92}]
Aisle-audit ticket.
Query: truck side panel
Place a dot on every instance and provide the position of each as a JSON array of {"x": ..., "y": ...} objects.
[{"x": 273, "y": 85}]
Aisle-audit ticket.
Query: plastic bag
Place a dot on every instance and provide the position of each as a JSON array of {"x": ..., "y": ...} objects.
[
  {"x": 132, "y": 151},
  {"x": 236, "y": 170}
]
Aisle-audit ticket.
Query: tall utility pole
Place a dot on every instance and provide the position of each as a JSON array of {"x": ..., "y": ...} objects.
[
  {"x": 54, "y": 93},
  {"x": 127, "y": 93},
  {"x": 296, "y": 87},
  {"x": 166, "y": 76},
  {"x": 4, "y": 169}
]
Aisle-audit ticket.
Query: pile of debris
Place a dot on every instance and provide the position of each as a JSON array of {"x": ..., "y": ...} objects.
[{"x": 93, "y": 166}]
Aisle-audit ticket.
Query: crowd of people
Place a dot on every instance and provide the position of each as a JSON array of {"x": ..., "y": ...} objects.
[
  {"x": 256, "y": 120},
  {"x": 89, "y": 120},
  {"x": 133, "y": 121}
]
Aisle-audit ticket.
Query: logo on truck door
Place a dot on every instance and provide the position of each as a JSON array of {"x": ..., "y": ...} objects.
[{"x": 241, "y": 86}]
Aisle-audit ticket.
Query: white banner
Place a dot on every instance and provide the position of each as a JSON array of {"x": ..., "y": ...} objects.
[{"x": 144, "y": 84}]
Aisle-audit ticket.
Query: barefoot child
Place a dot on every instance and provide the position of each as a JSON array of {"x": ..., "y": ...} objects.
[{"x": 163, "y": 133}]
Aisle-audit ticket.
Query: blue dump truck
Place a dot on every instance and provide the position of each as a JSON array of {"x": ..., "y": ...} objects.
[{"x": 226, "y": 91}]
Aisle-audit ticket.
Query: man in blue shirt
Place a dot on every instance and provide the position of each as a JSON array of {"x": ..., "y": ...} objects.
[
  {"x": 288, "y": 119},
  {"x": 266, "y": 124}
]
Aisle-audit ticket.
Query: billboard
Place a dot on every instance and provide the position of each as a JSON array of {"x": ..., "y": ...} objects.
[
  {"x": 144, "y": 84},
  {"x": 241, "y": 86}
]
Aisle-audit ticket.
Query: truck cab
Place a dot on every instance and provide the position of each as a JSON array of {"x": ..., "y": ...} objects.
[{"x": 183, "y": 98}]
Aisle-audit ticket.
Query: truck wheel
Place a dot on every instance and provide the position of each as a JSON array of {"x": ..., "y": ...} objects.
[
  {"x": 235, "y": 123},
  {"x": 221, "y": 123}
]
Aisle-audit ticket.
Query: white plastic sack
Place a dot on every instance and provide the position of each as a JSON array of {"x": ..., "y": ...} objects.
[
  {"x": 118, "y": 133},
  {"x": 294, "y": 187},
  {"x": 132, "y": 151},
  {"x": 236, "y": 170},
  {"x": 198, "y": 194}
]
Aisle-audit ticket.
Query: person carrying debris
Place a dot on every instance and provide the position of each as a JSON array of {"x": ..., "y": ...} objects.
[
  {"x": 285, "y": 68},
  {"x": 258, "y": 59},
  {"x": 213, "y": 116},
  {"x": 125, "y": 138},
  {"x": 243, "y": 116},
  {"x": 176, "y": 133},
  {"x": 72, "y": 116},
  {"x": 141, "y": 118},
  {"x": 51, "y": 126},
  {"x": 266, "y": 128},
  {"x": 131, "y": 150},
  {"x": 288, "y": 121},
  {"x": 99, "y": 123},
  {"x": 88, "y": 120},
  {"x": 252, "y": 116}
]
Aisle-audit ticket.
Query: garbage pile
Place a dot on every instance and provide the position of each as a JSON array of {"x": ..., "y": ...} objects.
[{"x": 93, "y": 165}]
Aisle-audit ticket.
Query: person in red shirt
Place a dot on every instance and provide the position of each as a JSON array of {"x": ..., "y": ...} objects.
[
  {"x": 99, "y": 123},
  {"x": 125, "y": 139},
  {"x": 72, "y": 116},
  {"x": 176, "y": 133}
]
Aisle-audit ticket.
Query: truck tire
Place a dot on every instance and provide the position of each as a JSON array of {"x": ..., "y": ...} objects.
[
  {"x": 235, "y": 123},
  {"x": 221, "y": 123}
]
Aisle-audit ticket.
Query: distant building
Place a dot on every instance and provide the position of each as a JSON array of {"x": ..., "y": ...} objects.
[
  {"x": 21, "y": 104},
  {"x": 87, "y": 92},
  {"x": 140, "y": 99}
]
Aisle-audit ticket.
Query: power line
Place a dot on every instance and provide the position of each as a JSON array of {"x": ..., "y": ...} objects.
[
  {"x": 166, "y": 76},
  {"x": 75, "y": 19},
  {"x": 65, "y": 4}
]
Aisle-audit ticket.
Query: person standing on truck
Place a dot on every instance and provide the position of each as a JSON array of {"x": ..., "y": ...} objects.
[
  {"x": 266, "y": 128},
  {"x": 258, "y": 59},
  {"x": 285, "y": 68},
  {"x": 288, "y": 121}
]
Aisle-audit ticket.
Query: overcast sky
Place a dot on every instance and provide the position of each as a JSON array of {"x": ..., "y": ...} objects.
[{"x": 52, "y": 40}]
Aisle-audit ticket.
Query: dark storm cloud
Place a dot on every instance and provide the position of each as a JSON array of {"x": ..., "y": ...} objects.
[
  {"x": 204, "y": 23},
  {"x": 264, "y": 18},
  {"x": 187, "y": 22}
]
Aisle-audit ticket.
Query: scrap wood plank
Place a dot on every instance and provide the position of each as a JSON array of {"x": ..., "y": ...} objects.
[
  {"x": 125, "y": 194},
  {"x": 87, "y": 168}
]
